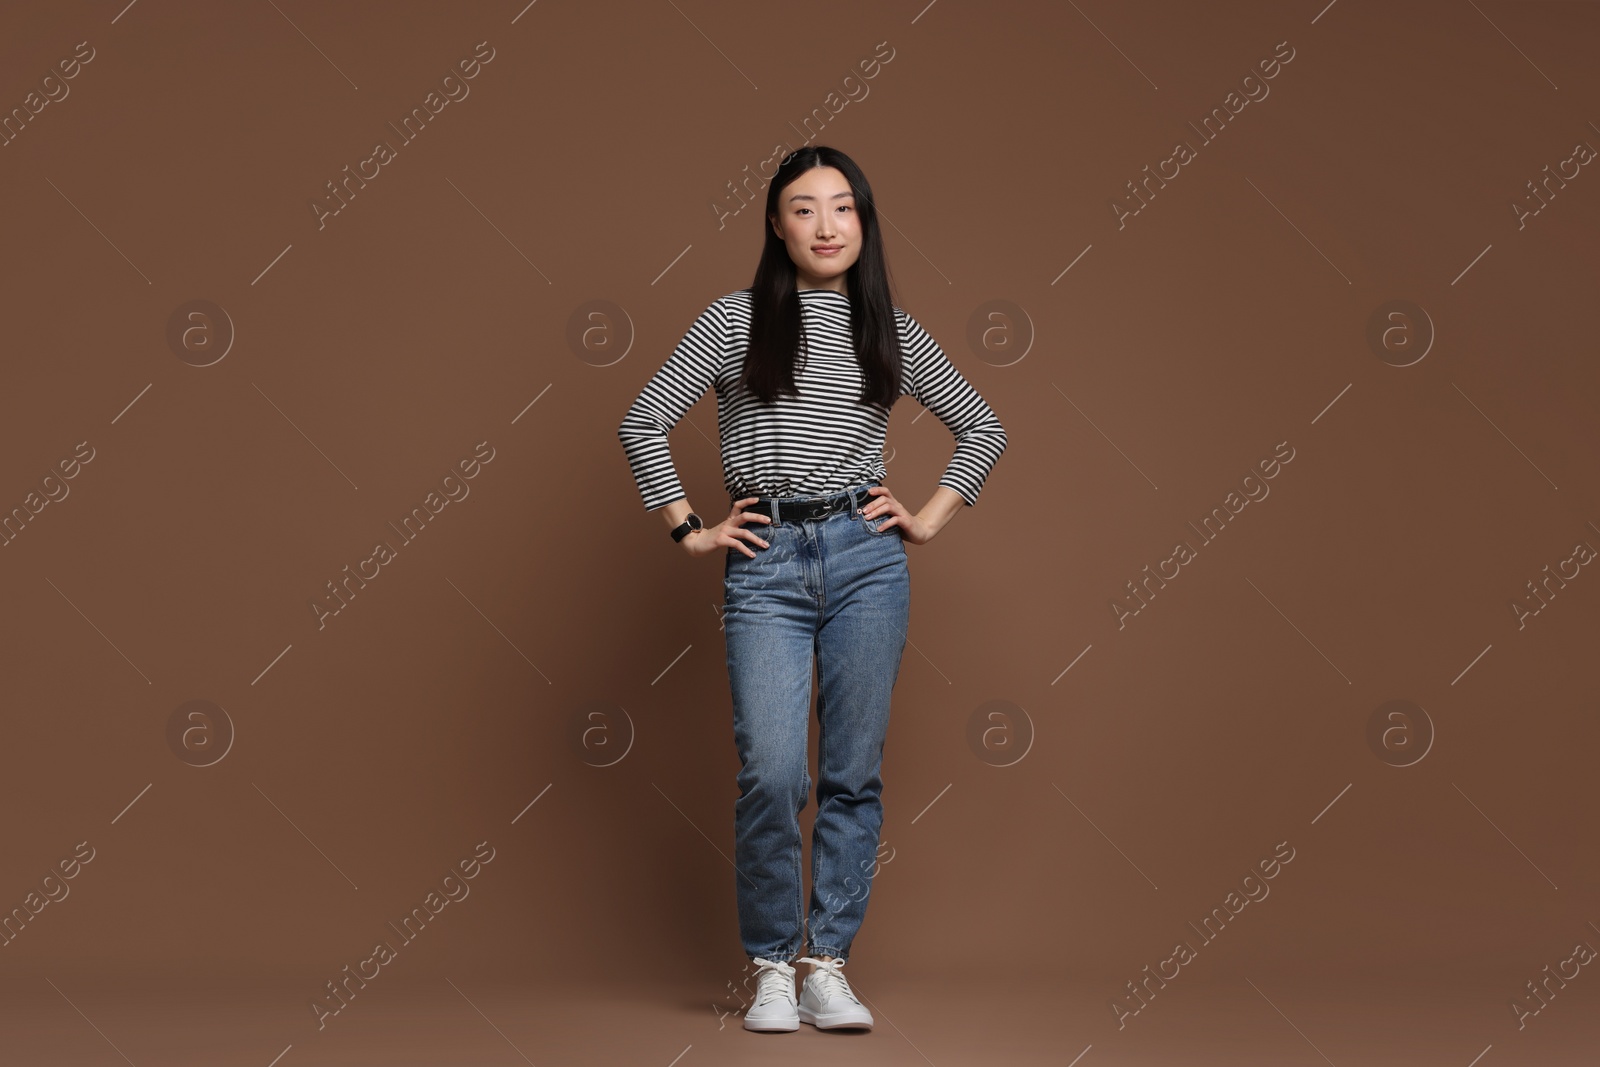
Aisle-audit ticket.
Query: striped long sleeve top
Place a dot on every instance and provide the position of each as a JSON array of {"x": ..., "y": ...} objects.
[{"x": 820, "y": 442}]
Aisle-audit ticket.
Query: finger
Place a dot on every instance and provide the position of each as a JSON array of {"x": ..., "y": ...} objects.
[{"x": 733, "y": 540}]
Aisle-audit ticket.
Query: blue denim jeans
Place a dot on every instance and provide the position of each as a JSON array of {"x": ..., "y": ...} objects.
[{"x": 834, "y": 591}]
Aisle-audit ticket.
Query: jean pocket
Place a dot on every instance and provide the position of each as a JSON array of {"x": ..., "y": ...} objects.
[
  {"x": 876, "y": 528},
  {"x": 737, "y": 558},
  {"x": 760, "y": 529}
]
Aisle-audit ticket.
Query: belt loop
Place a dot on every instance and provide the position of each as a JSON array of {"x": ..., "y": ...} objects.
[{"x": 774, "y": 503}]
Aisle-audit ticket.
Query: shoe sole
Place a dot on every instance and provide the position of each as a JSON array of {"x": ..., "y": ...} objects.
[
  {"x": 839, "y": 1021},
  {"x": 773, "y": 1025}
]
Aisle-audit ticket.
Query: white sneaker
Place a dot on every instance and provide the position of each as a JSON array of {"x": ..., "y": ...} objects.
[
  {"x": 826, "y": 1000},
  {"x": 774, "y": 1007}
]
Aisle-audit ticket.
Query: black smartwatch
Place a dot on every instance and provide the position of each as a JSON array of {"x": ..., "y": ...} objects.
[{"x": 687, "y": 526}]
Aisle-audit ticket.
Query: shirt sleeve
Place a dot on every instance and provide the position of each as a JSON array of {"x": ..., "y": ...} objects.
[
  {"x": 665, "y": 399},
  {"x": 939, "y": 387}
]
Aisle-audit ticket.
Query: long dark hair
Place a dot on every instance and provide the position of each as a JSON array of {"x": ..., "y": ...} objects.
[{"x": 775, "y": 325}]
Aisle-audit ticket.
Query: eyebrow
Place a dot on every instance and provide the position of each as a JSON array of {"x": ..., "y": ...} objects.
[{"x": 808, "y": 196}]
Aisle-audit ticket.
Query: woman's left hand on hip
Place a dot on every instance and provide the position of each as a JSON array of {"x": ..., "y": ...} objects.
[{"x": 883, "y": 503}]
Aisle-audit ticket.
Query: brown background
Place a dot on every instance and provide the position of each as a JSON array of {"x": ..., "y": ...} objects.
[{"x": 436, "y": 311}]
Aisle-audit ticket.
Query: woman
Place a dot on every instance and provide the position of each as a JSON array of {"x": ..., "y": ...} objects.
[{"x": 807, "y": 363}]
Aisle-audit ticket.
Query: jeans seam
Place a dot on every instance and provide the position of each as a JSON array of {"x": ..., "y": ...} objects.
[{"x": 799, "y": 892}]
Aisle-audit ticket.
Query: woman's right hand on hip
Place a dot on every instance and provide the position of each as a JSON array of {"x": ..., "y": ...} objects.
[{"x": 733, "y": 532}]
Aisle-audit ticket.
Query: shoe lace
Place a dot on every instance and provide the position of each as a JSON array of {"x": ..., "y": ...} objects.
[
  {"x": 827, "y": 980},
  {"x": 776, "y": 981}
]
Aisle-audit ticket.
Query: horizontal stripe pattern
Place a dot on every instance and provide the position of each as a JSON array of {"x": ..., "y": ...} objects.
[{"x": 820, "y": 442}]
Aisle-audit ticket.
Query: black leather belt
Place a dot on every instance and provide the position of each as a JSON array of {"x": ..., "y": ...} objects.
[{"x": 801, "y": 509}]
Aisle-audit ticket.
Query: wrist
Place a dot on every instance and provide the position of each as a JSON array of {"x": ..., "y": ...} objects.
[{"x": 690, "y": 525}]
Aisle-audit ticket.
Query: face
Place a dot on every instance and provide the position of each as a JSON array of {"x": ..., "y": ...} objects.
[{"x": 819, "y": 225}]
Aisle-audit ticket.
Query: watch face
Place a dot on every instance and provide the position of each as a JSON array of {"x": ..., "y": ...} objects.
[{"x": 689, "y": 525}]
